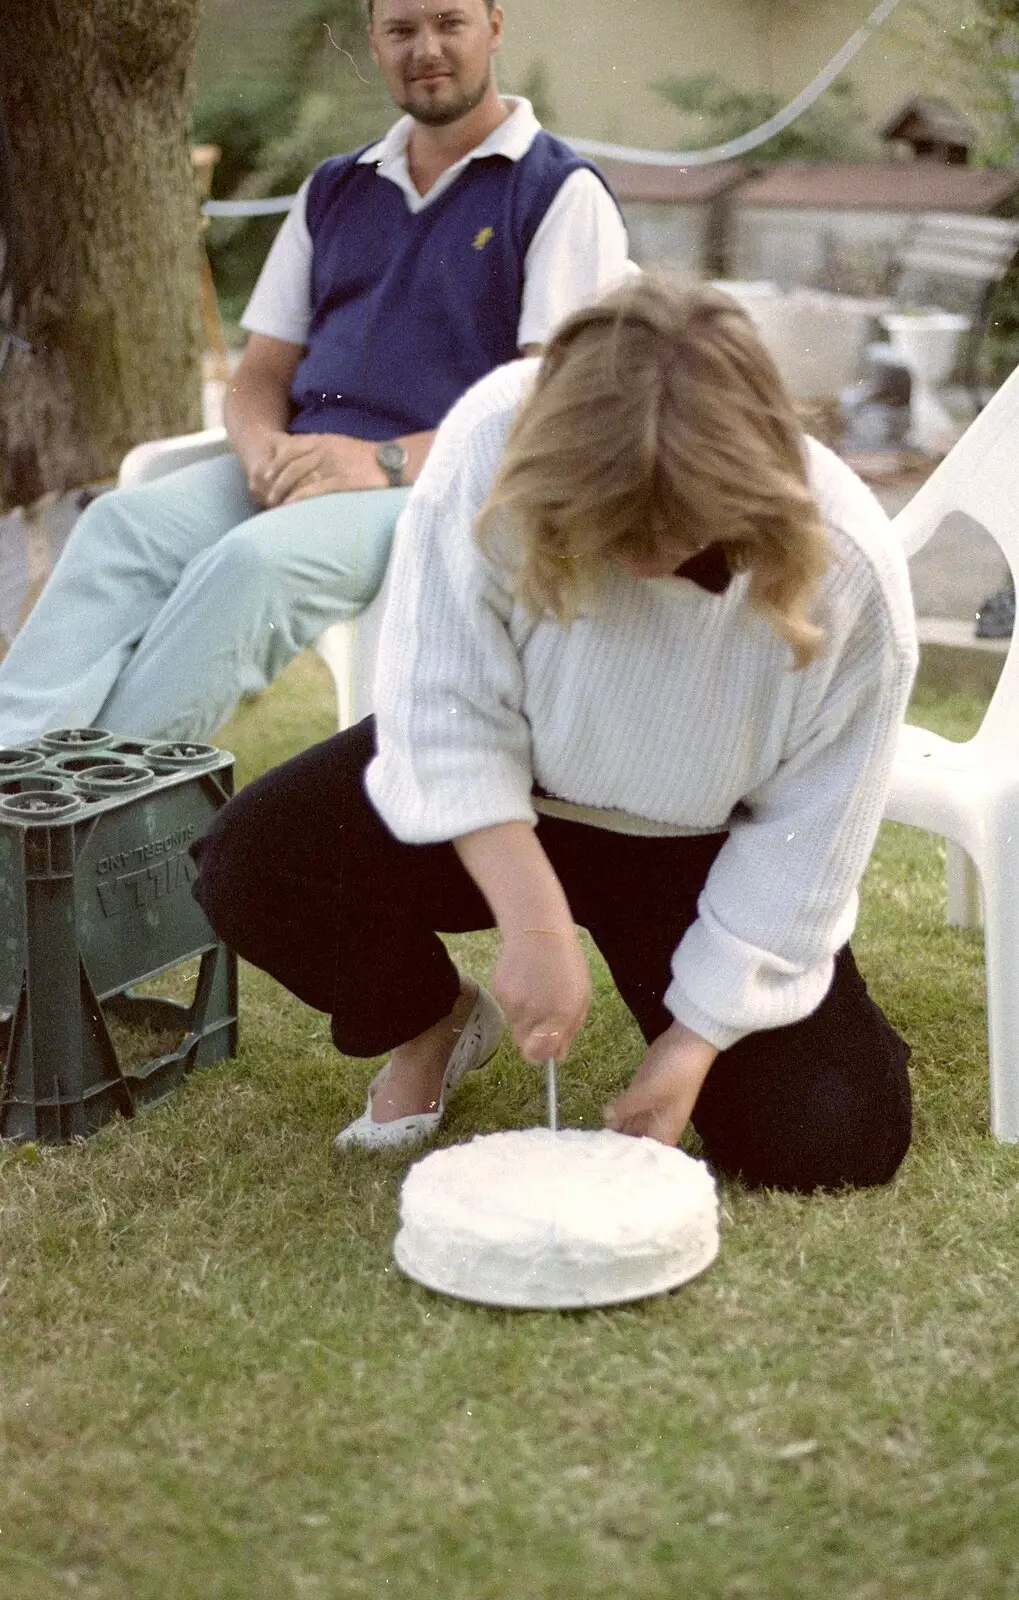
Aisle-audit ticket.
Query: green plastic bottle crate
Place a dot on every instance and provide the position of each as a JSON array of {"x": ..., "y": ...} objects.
[{"x": 95, "y": 901}]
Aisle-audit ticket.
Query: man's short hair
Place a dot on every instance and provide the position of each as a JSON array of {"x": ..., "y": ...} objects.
[{"x": 369, "y": 6}]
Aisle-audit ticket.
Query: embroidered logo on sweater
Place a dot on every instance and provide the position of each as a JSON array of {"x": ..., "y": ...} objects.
[{"x": 483, "y": 237}]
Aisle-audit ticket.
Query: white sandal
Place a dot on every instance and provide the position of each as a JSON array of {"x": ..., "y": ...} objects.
[{"x": 477, "y": 1044}]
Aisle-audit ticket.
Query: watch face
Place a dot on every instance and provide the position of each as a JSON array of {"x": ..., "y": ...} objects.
[{"x": 392, "y": 457}]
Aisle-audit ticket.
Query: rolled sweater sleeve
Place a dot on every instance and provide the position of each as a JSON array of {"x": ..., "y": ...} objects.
[
  {"x": 454, "y": 747},
  {"x": 781, "y": 897}
]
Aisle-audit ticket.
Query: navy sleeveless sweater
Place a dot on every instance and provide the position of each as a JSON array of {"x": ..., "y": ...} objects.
[{"x": 410, "y": 308}]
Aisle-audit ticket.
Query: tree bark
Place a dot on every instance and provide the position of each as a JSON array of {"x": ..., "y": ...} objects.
[{"x": 95, "y": 93}]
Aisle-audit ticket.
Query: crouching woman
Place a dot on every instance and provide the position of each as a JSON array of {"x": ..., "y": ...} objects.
[{"x": 643, "y": 667}]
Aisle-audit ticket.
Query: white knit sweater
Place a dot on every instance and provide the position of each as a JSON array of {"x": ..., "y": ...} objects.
[{"x": 666, "y": 702}]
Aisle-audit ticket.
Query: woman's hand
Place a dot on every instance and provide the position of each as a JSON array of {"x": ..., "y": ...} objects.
[
  {"x": 664, "y": 1091},
  {"x": 541, "y": 978},
  {"x": 542, "y": 982}
]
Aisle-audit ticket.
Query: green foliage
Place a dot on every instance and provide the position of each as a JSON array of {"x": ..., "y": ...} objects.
[
  {"x": 831, "y": 130},
  {"x": 982, "y": 56},
  {"x": 989, "y": 46},
  {"x": 973, "y": 59},
  {"x": 326, "y": 96},
  {"x": 241, "y": 116},
  {"x": 534, "y": 86},
  {"x": 999, "y": 351}
]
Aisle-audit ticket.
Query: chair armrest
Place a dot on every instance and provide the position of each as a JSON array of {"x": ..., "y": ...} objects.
[{"x": 158, "y": 456}]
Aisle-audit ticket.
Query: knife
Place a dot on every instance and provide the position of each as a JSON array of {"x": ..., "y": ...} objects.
[{"x": 552, "y": 1094}]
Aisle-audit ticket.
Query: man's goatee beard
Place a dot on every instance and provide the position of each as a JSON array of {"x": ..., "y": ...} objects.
[{"x": 442, "y": 116}]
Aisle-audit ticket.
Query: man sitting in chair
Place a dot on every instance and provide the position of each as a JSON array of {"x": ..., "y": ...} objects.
[{"x": 402, "y": 275}]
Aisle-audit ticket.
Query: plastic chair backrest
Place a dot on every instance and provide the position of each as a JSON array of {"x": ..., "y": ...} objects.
[{"x": 979, "y": 479}]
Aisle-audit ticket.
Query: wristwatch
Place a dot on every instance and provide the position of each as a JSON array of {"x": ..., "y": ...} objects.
[{"x": 392, "y": 458}]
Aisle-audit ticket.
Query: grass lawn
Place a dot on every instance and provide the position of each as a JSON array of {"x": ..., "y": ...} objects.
[{"x": 216, "y": 1384}]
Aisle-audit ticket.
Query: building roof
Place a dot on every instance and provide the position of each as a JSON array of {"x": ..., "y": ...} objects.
[
  {"x": 881, "y": 186},
  {"x": 633, "y": 181},
  {"x": 936, "y": 121}
]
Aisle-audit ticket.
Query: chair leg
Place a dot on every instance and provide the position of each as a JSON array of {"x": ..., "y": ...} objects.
[
  {"x": 348, "y": 650},
  {"x": 1001, "y": 954},
  {"x": 336, "y": 647},
  {"x": 962, "y": 889},
  {"x": 363, "y": 653}
]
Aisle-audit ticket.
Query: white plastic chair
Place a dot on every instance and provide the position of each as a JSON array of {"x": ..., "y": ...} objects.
[
  {"x": 347, "y": 648},
  {"x": 969, "y": 792}
]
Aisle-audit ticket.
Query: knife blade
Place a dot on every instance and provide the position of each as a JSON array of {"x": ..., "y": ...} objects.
[{"x": 552, "y": 1094}]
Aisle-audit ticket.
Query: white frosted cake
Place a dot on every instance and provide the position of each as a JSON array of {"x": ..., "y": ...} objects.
[{"x": 536, "y": 1219}]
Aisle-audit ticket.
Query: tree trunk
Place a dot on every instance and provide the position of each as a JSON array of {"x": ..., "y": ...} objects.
[{"x": 95, "y": 93}]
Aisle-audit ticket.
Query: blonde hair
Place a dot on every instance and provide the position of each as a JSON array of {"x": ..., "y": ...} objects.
[{"x": 658, "y": 410}]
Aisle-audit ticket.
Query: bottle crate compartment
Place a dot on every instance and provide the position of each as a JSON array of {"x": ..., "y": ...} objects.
[{"x": 96, "y": 917}]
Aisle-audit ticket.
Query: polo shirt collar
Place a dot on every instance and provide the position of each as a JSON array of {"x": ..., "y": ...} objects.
[{"x": 512, "y": 139}]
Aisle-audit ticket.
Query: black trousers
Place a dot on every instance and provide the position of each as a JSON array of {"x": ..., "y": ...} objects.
[{"x": 302, "y": 877}]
